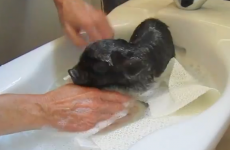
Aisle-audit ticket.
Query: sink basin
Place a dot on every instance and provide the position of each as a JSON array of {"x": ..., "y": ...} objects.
[{"x": 202, "y": 35}]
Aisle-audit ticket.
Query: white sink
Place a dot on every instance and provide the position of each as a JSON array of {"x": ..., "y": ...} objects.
[{"x": 202, "y": 35}]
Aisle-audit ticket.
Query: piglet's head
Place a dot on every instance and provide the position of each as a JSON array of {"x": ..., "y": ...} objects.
[{"x": 112, "y": 63}]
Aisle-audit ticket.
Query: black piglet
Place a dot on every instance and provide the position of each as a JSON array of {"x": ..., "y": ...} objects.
[{"x": 129, "y": 65}]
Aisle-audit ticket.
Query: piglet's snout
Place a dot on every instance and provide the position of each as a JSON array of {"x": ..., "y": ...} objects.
[{"x": 78, "y": 77}]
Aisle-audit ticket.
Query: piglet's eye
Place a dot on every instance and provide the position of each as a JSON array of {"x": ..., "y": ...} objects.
[{"x": 101, "y": 67}]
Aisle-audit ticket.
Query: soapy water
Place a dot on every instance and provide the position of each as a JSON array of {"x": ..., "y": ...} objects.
[
  {"x": 39, "y": 140},
  {"x": 197, "y": 71}
]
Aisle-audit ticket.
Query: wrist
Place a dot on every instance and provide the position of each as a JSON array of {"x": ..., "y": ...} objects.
[
  {"x": 20, "y": 113},
  {"x": 31, "y": 107}
]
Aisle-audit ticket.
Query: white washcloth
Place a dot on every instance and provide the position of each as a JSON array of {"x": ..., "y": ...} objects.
[{"x": 181, "y": 90}]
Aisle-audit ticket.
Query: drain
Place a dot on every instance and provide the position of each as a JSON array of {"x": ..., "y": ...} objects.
[{"x": 186, "y": 3}]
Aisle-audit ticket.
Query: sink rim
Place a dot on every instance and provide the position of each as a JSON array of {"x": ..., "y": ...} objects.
[{"x": 195, "y": 129}]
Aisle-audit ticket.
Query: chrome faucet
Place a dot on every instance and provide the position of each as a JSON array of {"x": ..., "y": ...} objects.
[{"x": 189, "y": 4}]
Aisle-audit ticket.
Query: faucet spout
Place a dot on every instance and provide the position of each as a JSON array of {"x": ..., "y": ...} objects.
[{"x": 189, "y": 4}]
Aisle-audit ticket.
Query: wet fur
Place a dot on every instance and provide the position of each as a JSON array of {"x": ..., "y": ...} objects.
[{"x": 129, "y": 65}]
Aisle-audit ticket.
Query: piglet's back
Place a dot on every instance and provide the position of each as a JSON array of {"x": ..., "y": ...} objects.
[{"x": 153, "y": 36}]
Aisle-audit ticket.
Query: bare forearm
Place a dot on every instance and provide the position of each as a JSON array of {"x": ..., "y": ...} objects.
[{"x": 19, "y": 113}]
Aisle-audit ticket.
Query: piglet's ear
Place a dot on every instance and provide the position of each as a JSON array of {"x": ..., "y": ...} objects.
[
  {"x": 117, "y": 57},
  {"x": 133, "y": 67}
]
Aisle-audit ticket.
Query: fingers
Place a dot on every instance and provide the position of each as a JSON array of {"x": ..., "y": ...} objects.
[
  {"x": 96, "y": 24},
  {"x": 99, "y": 24},
  {"x": 111, "y": 107},
  {"x": 93, "y": 22},
  {"x": 103, "y": 117},
  {"x": 102, "y": 25},
  {"x": 76, "y": 127},
  {"x": 74, "y": 35},
  {"x": 91, "y": 30},
  {"x": 105, "y": 99},
  {"x": 114, "y": 96},
  {"x": 75, "y": 122}
]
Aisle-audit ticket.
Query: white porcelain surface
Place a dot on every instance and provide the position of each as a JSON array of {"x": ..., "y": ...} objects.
[{"x": 204, "y": 33}]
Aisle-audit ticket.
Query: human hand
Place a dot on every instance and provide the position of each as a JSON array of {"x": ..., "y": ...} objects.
[
  {"x": 76, "y": 15},
  {"x": 75, "y": 108}
]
